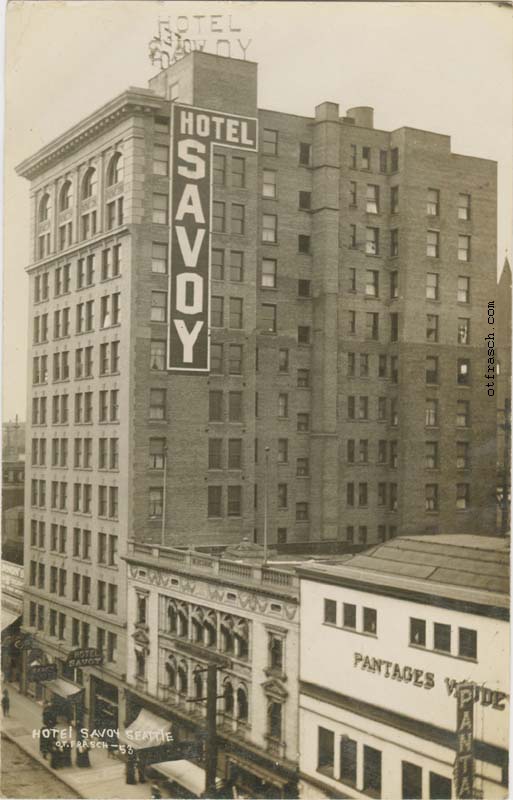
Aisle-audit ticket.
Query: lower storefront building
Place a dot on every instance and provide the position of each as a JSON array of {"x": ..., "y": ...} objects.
[
  {"x": 188, "y": 612},
  {"x": 404, "y": 675}
]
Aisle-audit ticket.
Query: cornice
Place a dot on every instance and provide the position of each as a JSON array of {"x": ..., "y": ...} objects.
[{"x": 130, "y": 102}]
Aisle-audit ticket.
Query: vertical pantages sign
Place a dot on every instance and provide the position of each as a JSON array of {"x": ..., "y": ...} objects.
[
  {"x": 464, "y": 762},
  {"x": 194, "y": 133}
]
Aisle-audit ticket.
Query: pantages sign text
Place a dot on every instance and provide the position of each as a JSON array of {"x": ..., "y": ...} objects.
[{"x": 194, "y": 132}]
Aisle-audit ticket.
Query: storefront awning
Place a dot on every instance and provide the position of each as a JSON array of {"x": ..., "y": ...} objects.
[
  {"x": 8, "y": 617},
  {"x": 63, "y": 688},
  {"x": 185, "y": 774},
  {"x": 260, "y": 772},
  {"x": 146, "y": 731}
]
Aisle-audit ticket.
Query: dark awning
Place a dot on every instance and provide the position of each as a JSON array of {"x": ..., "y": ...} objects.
[{"x": 63, "y": 688}]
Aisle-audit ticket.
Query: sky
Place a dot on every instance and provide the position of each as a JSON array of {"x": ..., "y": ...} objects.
[{"x": 445, "y": 67}]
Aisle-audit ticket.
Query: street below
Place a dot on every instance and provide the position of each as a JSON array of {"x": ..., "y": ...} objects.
[{"x": 23, "y": 776}]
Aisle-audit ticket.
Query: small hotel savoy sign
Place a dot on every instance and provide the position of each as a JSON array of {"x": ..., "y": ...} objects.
[{"x": 194, "y": 132}]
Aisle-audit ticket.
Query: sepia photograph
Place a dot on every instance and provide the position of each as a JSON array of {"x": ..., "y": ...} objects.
[{"x": 256, "y": 399}]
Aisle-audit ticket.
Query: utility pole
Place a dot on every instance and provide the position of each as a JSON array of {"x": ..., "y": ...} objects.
[
  {"x": 266, "y": 502},
  {"x": 164, "y": 491}
]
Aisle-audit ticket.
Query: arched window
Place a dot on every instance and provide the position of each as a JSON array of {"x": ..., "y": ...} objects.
[
  {"x": 183, "y": 681},
  {"x": 227, "y": 634},
  {"x": 274, "y": 720},
  {"x": 241, "y": 639},
  {"x": 89, "y": 184},
  {"x": 198, "y": 683},
  {"x": 172, "y": 618},
  {"x": 183, "y": 620},
  {"x": 242, "y": 704},
  {"x": 171, "y": 673},
  {"x": 228, "y": 697},
  {"x": 44, "y": 208},
  {"x": 197, "y": 625},
  {"x": 210, "y": 630},
  {"x": 115, "y": 169},
  {"x": 65, "y": 196}
]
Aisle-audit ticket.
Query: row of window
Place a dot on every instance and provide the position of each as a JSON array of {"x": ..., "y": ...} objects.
[
  {"x": 383, "y": 532},
  {"x": 108, "y": 505},
  {"x": 107, "y": 544},
  {"x": 360, "y": 766},
  {"x": 107, "y": 593},
  {"x": 108, "y": 408},
  {"x": 108, "y": 453},
  {"x": 357, "y": 452},
  {"x": 358, "y": 495},
  {"x": 109, "y": 363},
  {"x": 363, "y": 158},
  {"x": 106, "y": 641},
  {"x": 114, "y": 217},
  {"x": 372, "y": 243},
  {"x": 373, "y": 198},
  {"x": 84, "y": 277}
]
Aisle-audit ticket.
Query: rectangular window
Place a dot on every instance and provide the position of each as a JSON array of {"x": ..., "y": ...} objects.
[
  {"x": 238, "y": 172},
  {"x": 371, "y": 771},
  {"x": 235, "y": 312},
  {"x": 352, "y": 237},
  {"x": 219, "y": 170},
  {"x": 302, "y": 467},
  {"x": 235, "y": 406},
  {"x": 464, "y": 206},
  {"x": 431, "y": 369},
  {"x": 462, "y": 496},
  {"x": 372, "y": 325},
  {"x": 383, "y": 161},
  {"x": 433, "y": 203},
  {"x": 431, "y": 457},
  {"x": 283, "y": 405},
  {"x": 463, "y": 330},
  {"x": 303, "y": 422},
  {"x": 282, "y": 495},
  {"x": 236, "y": 266},
  {"x": 431, "y": 413},
  {"x": 372, "y": 199},
  {"x": 158, "y": 311},
  {"x": 160, "y": 209},
  {"x": 217, "y": 265},
  {"x": 411, "y": 781},
  {"x": 330, "y": 611},
  {"x": 270, "y": 142},
  {"x": 433, "y": 244},
  {"x": 235, "y": 359},
  {"x": 467, "y": 643},
  {"x": 442, "y": 637},
  {"x": 218, "y": 217},
  {"x": 305, "y": 152},
  {"x": 394, "y": 242},
  {"x": 372, "y": 283},
  {"x": 215, "y": 501},
  {"x": 234, "y": 453},
  {"x": 269, "y": 183},
  {"x": 394, "y": 159},
  {"x": 157, "y": 453},
  {"x": 394, "y": 200},
  {"x": 305, "y": 201},
  {"x": 432, "y": 286},
  {"x": 159, "y": 258},
  {"x": 370, "y": 620},
  {"x": 155, "y": 497},
  {"x": 269, "y": 270},
  {"x": 348, "y": 750},
  {"x": 326, "y": 751},
  {"x": 215, "y": 401},
  {"x": 462, "y": 414},
  {"x": 417, "y": 632},
  {"x": 302, "y": 512},
  {"x": 234, "y": 507},
  {"x": 431, "y": 501},
  {"x": 283, "y": 360},
  {"x": 303, "y": 244},
  {"x": 349, "y": 615},
  {"x": 157, "y": 406},
  {"x": 462, "y": 455},
  {"x": 157, "y": 354},
  {"x": 463, "y": 248},
  {"x": 268, "y": 317},
  {"x": 237, "y": 219},
  {"x": 366, "y": 157},
  {"x": 372, "y": 241},
  {"x": 269, "y": 228},
  {"x": 432, "y": 327},
  {"x": 283, "y": 451},
  {"x": 216, "y": 358},
  {"x": 160, "y": 160},
  {"x": 463, "y": 371},
  {"x": 440, "y": 788},
  {"x": 303, "y": 378}
]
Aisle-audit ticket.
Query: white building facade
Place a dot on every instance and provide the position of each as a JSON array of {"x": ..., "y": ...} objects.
[
  {"x": 188, "y": 609},
  {"x": 385, "y": 640}
]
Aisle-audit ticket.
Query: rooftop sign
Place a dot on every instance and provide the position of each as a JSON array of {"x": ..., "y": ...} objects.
[{"x": 212, "y": 33}]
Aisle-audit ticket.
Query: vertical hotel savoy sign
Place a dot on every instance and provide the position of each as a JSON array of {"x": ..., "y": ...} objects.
[{"x": 194, "y": 133}]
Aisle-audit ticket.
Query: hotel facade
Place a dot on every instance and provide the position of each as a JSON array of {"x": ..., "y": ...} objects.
[{"x": 349, "y": 270}]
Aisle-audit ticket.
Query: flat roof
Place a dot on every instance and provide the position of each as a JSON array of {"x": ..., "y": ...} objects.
[{"x": 462, "y": 569}]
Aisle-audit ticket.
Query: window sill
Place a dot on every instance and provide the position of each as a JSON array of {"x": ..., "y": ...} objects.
[{"x": 469, "y": 659}]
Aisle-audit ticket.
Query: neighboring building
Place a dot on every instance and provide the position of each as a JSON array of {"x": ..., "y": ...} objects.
[
  {"x": 385, "y": 638},
  {"x": 13, "y": 440},
  {"x": 13, "y": 497},
  {"x": 503, "y": 397},
  {"x": 345, "y": 313},
  {"x": 186, "y": 609},
  {"x": 10, "y": 616}
]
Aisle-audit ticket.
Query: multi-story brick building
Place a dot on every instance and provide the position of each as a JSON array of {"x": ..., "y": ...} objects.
[
  {"x": 350, "y": 269},
  {"x": 186, "y": 610}
]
